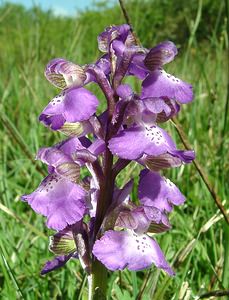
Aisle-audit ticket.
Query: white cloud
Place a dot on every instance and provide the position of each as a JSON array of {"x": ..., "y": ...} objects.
[{"x": 62, "y": 12}]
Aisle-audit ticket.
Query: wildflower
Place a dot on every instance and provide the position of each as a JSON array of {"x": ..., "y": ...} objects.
[{"x": 93, "y": 217}]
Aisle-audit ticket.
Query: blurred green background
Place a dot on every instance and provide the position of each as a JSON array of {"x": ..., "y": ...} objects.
[{"x": 28, "y": 40}]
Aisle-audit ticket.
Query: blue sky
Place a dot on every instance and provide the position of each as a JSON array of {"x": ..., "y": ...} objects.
[{"x": 59, "y": 7}]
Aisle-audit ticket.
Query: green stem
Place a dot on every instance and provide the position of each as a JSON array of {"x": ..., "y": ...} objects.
[
  {"x": 225, "y": 279},
  {"x": 97, "y": 281}
]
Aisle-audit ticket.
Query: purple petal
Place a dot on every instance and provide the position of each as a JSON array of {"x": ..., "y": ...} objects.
[
  {"x": 174, "y": 109},
  {"x": 124, "y": 91},
  {"x": 121, "y": 195},
  {"x": 161, "y": 84},
  {"x": 84, "y": 156},
  {"x": 133, "y": 142},
  {"x": 159, "y": 221},
  {"x": 135, "y": 219},
  {"x": 104, "y": 64},
  {"x": 60, "y": 200},
  {"x": 62, "y": 164},
  {"x": 56, "y": 263},
  {"x": 137, "y": 67},
  {"x": 103, "y": 68},
  {"x": 157, "y": 191},
  {"x": 152, "y": 213},
  {"x": 54, "y": 122},
  {"x": 52, "y": 156},
  {"x": 63, "y": 73},
  {"x": 111, "y": 33},
  {"x": 186, "y": 156},
  {"x": 172, "y": 192},
  {"x": 160, "y": 55},
  {"x": 97, "y": 147},
  {"x": 125, "y": 249},
  {"x": 118, "y": 48},
  {"x": 128, "y": 143},
  {"x": 164, "y": 108},
  {"x": 70, "y": 145},
  {"x": 59, "y": 157},
  {"x": 156, "y": 105},
  {"x": 75, "y": 104},
  {"x": 124, "y": 62},
  {"x": 143, "y": 219},
  {"x": 126, "y": 220},
  {"x": 153, "y": 109}
]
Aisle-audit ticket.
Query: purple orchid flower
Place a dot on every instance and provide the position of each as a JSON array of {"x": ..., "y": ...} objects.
[
  {"x": 126, "y": 249},
  {"x": 142, "y": 251},
  {"x": 94, "y": 217},
  {"x": 162, "y": 194},
  {"x": 60, "y": 200},
  {"x": 120, "y": 34},
  {"x": 71, "y": 106},
  {"x": 63, "y": 74},
  {"x": 133, "y": 142},
  {"x": 66, "y": 244},
  {"x": 149, "y": 140},
  {"x": 161, "y": 84}
]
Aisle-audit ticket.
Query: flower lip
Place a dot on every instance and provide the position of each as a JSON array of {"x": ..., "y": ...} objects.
[
  {"x": 137, "y": 140},
  {"x": 118, "y": 250},
  {"x": 163, "y": 194},
  {"x": 161, "y": 84},
  {"x": 72, "y": 105},
  {"x": 60, "y": 200}
]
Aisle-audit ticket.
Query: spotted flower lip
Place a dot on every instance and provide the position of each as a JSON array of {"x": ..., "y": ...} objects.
[
  {"x": 159, "y": 192},
  {"x": 118, "y": 250},
  {"x": 137, "y": 140},
  {"x": 60, "y": 200},
  {"x": 72, "y": 105},
  {"x": 161, "y": 84},
  {"x": 64, "y": 74}
]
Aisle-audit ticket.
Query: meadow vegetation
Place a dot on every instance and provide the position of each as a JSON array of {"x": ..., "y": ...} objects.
[{"x": 28, "y": 40}]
